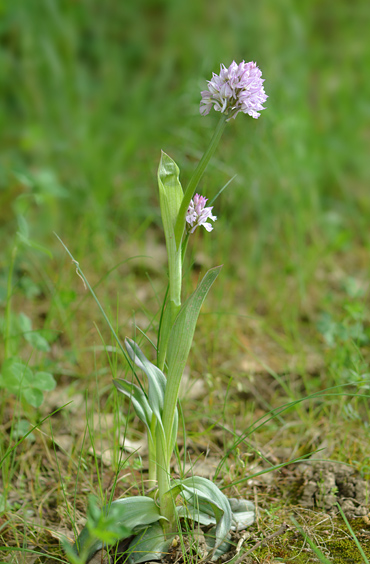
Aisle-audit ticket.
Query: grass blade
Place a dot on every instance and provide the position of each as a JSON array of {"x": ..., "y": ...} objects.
[
  {"x": 366, "y": 560},
  {"x": 315, "y": 549}
]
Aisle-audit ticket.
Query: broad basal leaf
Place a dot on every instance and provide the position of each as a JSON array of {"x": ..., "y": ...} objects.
[
  {"x": 243, "y": 513},
  {"x": 151, "y": 544},
  {"x": 135, "y": 513},
  {"x": 206, "y": 504}
]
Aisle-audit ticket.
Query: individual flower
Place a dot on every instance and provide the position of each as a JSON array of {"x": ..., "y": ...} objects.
[
  {"x": 238, "y": 88},
  {"x": 198, "y": 214}
]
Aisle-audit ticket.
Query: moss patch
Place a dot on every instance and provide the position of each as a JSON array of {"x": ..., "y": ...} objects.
[{"x": 336, "y": 544}]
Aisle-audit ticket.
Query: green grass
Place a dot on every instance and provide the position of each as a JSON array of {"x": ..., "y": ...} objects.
[{"x": 91, "y": 92}]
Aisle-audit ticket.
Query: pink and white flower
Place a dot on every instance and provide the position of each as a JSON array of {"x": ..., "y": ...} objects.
[
  {"x": 238, "y": 88},
  {"x": 198, "y": 214}
]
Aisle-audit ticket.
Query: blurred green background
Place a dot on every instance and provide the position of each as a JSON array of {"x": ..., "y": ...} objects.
[{"x": 91, "y": 92}]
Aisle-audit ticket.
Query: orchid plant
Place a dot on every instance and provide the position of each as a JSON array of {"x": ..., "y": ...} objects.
[{"x": 153, "y": 520}]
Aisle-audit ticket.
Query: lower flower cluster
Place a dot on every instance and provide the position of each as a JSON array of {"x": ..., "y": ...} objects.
[{"x": 199, "y": 214}]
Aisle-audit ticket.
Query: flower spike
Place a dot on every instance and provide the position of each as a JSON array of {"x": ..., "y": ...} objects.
[{"x": 238, "y": 88}]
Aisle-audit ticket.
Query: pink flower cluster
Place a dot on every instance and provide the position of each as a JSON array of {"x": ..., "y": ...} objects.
[
  {"x": 238, "y": 88},
  {"x": 198, "y": 214}
]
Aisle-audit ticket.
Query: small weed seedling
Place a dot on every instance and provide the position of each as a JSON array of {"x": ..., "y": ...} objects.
[{"x": 16, "y": 376}]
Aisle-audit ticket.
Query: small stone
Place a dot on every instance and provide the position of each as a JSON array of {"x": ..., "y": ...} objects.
[
  {"x": 361, "y": 511},
  {"x": 347, "y": 489},
  {"x": 308, "y": 494},
  {"x": 362, "y": 491},
  {"x": 329, "y": 501},
  {"x": 348, "y": 506}
]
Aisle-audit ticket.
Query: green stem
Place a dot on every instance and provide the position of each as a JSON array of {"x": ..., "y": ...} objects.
[
  {"x": 175, "y": 249},
  {"x": 166, "y": 320},
  {"x": 175, "y": 281},
  {"x": 184, "y": 246},
  {"x": 169, "y": 407},
  {"x": 194, "y": 181},
  {"x": 152, "y": 478},
  {"x": 163, "y": 478},
  {"x": 175, "y": 275},
  {"x": 160, "y": 358},
  {"x": 170, "y": 310}
]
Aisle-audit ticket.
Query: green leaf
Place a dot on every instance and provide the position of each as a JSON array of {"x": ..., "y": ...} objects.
[
  {"x": 181, "y": 338},
  {"x": 215, "y": 551},
  {"x": 243, "y": 513},
  {"x": 24, "y": 323},
  {"x": 72, "y": 556},
  {"x": 44, "y": 381},
  {"x": 166, "y": 326},
  {"x": 21, "y": 428},
  {"x": 157, "y": 387},
  {"x": 138, "y": 399},
  {"x": 37, "y": 341},
  {"x": 149, "y": 545},
  {"x": 135, "y": 513},
  {"x": 184, "y": 327},
  {"x": 138, "y": 512},
  {"x": 205, "y": 502},
  {"x": 102, "y": 528},
  {"x": 67, "y": 297},
  {"x": 210, "y": 498},
  {"x": 4, "y": 504},
  {"x": 156, "y": 378},
  {"x": 173, "y": 436},
  {"x": 93, "y": 511},
  {"x": 33, "y": 337},
  {"x": 33, "y": 396},
  {"x": 34, "y": 245},
  {"x": 195, "y": 513},
  {"x": 15, "y": 375},
  {"x": 170, "y": 196},
  {"x": 108, "y": 528},
  {"x": 23, "y": 226}
]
